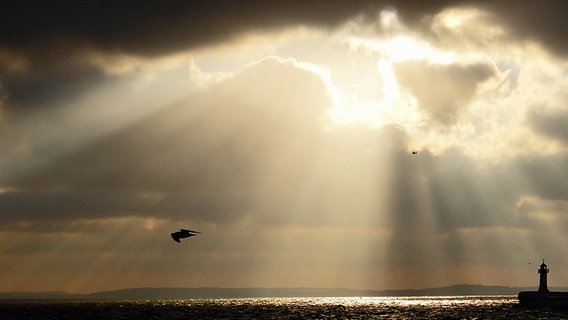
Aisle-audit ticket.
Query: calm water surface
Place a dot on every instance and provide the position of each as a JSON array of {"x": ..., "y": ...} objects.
[{"x": 467, "y": 307}]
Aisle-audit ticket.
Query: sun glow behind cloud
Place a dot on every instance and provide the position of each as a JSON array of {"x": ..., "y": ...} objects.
[{"x": 394, "y": 106}]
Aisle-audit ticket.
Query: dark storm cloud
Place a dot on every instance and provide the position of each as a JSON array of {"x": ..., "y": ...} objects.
[
  {"x": 52, "y": 42},
  {"x": 155, "y": 27},
  {"x": 41, "y": 29},
  {"x": 46, "y": 39},
  {"x": 544, "y": 22},
  {"x": 47, "y": 43}
]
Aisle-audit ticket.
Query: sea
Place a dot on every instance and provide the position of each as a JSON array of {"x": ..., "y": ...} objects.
[{"x": 452, "y": 307}]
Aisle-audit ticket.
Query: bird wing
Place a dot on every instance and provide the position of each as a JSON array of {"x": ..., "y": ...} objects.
[{"x": 175, "y": 236}]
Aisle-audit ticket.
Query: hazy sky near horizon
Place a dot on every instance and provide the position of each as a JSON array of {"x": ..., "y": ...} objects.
[{"x": 283, "y": 131}]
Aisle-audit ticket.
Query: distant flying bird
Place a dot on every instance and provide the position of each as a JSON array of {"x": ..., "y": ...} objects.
[
  {"x": 183, "y": 233},
  {"x": 414, "y": 152}
]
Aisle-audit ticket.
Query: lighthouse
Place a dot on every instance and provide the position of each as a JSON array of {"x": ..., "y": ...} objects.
[
  {"x": 543, "y": 297},
  {"x": 543, "y": 286}
]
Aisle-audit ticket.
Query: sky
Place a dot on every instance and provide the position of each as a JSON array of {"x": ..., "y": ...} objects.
[{"x": 284, "y": 131}]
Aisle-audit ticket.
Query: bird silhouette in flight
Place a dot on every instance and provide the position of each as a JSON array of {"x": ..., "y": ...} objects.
[{"x": 183, "y": 233}]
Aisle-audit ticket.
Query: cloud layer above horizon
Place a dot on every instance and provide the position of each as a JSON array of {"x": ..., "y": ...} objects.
[{"x": 284, "y": 131}]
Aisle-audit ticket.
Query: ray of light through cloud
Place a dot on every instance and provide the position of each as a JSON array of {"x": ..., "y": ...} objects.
[{"x": 289, "y": 143}]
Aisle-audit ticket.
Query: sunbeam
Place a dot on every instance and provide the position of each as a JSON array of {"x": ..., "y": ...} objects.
[{"x": 358, "y": 146}]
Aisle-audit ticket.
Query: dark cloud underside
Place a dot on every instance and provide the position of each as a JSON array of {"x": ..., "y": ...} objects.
[
  {"x": 52, "y": 42},
  {"x": 155, "y": 27}
]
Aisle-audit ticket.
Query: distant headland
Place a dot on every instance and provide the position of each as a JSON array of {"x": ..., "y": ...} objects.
[{"x": 213, "y": 293}]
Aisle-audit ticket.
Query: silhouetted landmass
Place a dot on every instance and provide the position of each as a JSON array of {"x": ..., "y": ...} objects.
[
  {"x": 212, "y": 293},
  {"x": 462, "y": 289},
  {"x": 35, "y": 295}
]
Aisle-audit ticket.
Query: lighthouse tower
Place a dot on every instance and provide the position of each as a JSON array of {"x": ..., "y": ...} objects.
[{"x": 543, "y": 286}]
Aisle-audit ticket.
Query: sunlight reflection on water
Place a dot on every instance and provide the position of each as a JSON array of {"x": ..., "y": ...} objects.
[{"x": 460, "y": 307}]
